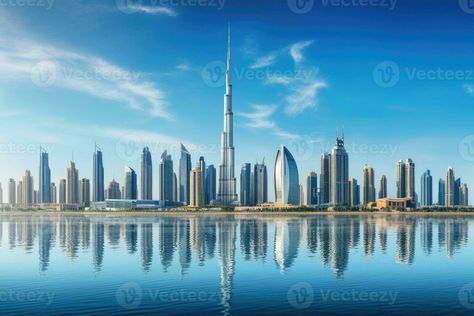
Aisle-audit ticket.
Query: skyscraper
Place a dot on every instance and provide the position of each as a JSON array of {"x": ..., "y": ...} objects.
[
  {"x": 98, "y": 176},
  {"x": 197, "y": 188},
  {"x": 12, "y": 192},
  {"x": 72, "y": 184},
  {"x": 54, "y": 193},
  {"x": 383, "y": 187},
  {"x": 410, "y": 179},
  {"x": 339, "y": 174},
  {"x": 401, "y": 179},
  {"x": 368, "y": 179},
  {"x": 130, "y": 184},
  {"x": 113, "y": 190},
  {"x": 44, "y": 190},
  {"x": 202, "y": 165},
  {"x": 147, "y": 175},
  {"x": 19, "y": 193},
  {"x": 449, "y": 195},
  {"x": 286, "y": 178},
  {"x": 260, "y": 183},
  {"x": 62, "y": 191},
  {"x": 441, "y": 192},
  {"x": 245, "y": 184},
  {"x": 85, "y": 192},
  {"x": 1, "y": 194},
  {"x": 210, "y": 184},
  {"x": 311, "y": 194},
  {"x": 464, "y": 195},
  {"x": 27, "y": 190},
  {"x": 226, "y": 186},
  {"x": 457, "y": 191},
  {"x": 426, "y": 189},
  {"x": 325, "y": 179},
  {"x": 184, "y": 173},
  {"x": 354, "y": 192},
  {"x": 166, "y": 177}
]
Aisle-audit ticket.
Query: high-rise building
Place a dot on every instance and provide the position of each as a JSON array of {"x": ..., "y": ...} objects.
[
  {"x": 62, "y": 191},
  {"x": 210, "y": 184},
  {"x": 464, "y": 195},
  {"x": 301, "y": 194},
  {"x": 85, "y": 192},
  {"x": 1, "y": 194},
  {"x": 54, "y": 193},
  {"x": 19, "y": 193},
  {"x": 147, "y": 175},
  {"x": 113, "y": 191},
  {"x": 441, "y": 192},
  {"x": 406, "y": 179},
  {"x": 354, "y": 192},
  {"x": 339, "y": 174},
  {"x": 245, "y": 185},
  {"x": 383, "y": 187},
  {"x": 368, "y": 185},
  {"x": 401, "y": 179},
  {"x": 449, "y": 195},
  {"x": 325, "y": 179},
  {"x": 130, "y": 184},
  {"x": 44, "y": 189},
  {"x": 311, "y": 194},
  {"x": 72, "y": 184},
  {"x": 457, "y": 191},
  {"x": 227, "y": 184},
  {"x": 202, "y": 165},
  {"x": 286, "y": 178},
  {"x": 426, "y": 189},
  {"x": 197, "y": 188},
  {"x": 175, "y": 187},
  {"x": 11, "y": 192},
  {"x": 98, "y": 176},
  {"x": 260, "y": 183},
  {"x": 166, "y": 177},
  {"x": 184, "y": 173},
  {"x": 27, "y": 190}
]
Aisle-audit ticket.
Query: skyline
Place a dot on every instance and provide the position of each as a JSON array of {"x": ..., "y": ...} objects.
[{"x": 384, "y": 124}]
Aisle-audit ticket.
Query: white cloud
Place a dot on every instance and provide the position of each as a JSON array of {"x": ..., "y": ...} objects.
[
  {"x": 265, "y": 61},
  {"x": 303, "y": 96},
  {"x": 153, "y": 10},
  {"x": 296, "y": 50},
  {"x": 469, "y": 88}
]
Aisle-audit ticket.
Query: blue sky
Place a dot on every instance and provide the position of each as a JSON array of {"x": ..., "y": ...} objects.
[{"x": 397, "y": 76}]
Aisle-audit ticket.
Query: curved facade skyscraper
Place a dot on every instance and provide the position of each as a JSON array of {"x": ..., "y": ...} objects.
[{"x": 286, "y": 178}]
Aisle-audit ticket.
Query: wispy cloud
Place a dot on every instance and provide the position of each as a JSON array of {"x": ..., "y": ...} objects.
[
  {"x": 152, "y": 10},
  {"x": 265, "y": 61},
  {"x": 296, "y": 50},
  {"x": 260, "y": 118},
  {"x": 469, "y": 88}
]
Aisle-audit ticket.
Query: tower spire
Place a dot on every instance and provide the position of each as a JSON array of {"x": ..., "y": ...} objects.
[{"x": 228, "y": 56}]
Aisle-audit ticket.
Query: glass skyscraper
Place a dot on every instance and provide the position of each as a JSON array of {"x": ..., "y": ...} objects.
[
  {"x": 426, "y": 189},
  {"x": 286, "y": 178},
  {"x": 44, "y": 190},
  {"x": 98, "y": 176},
  {"x": 146, "y": 175}
]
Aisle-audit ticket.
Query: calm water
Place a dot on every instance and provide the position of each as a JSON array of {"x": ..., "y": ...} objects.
[{"x": 237, "y": 264}]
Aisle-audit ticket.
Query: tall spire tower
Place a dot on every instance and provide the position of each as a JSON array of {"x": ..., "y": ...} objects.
[{"x": 226, "y": 192}]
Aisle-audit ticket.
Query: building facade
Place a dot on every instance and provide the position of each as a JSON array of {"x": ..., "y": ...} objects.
[{"x": 286, "y": 178}]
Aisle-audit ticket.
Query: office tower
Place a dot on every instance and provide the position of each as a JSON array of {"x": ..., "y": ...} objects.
[
  {"x": 175, "y": 187},
  {"x": 441, "y": 192},
  {"x": 401, "y": 179},
  {"x": 457, "y": 191},
  {"x": 85, "y": 192},
  {"x": 44, "y": 189},
  {"x": 301, "y": 194},
  {"x": 368, "y": 185},
  {"x": 184, "y": 173},
  {"x": 210, "y": 184},
  {"x": 1, "y": 194},
  {"x": 325, "y": 179},
  {"x": 12, "y": 192},
  {"x": 27, "y": 190},
  {"x": 464, "y": 195},
  {"x": 383, "y": 187},
  {"x": 410, "y": 179},
  {"x": 339, "y": 186},
  {"x": 226, "y": 186},
  {"x": 197, "y": 188},
  {"x": 129, "y": 184},
  {"x": 19, "y": 193},
  {"x": 202, "y": 165},
  {"x": 147, "y": 175},
  {"x": 426, "y": 189},
  {"x": 354, "y": 192},
  {"x": 245, "y": 185},
  {"x": 98, "y": 176},
  {"x": 72, "y": 184},
  {"x": 113, "y": 191},
  {"x": 62, "y": 191},
  {"x": 311, "y": 194},
  {"x": 35, "y": 197},
  {"x": 260, "y": 183},
  {"x": 449, "y": 195},
  {"x": 286, "y": 178},
  {"x": 166, "y": 177},
  {"x": 54, "y": 193}
]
